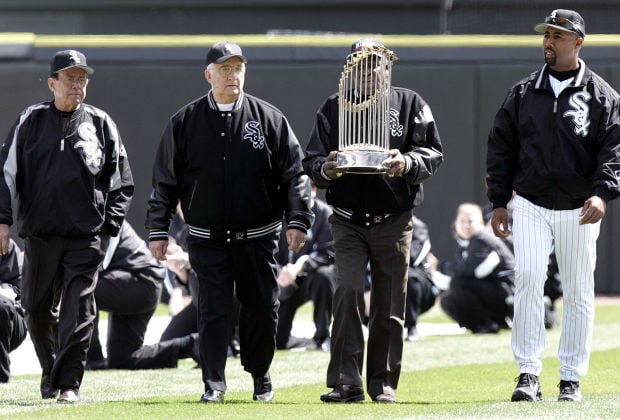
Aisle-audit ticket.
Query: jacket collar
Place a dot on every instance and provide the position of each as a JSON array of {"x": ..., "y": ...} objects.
[
  {"x": 542, "y": 79},
  {"x": 213, "y": 104}
]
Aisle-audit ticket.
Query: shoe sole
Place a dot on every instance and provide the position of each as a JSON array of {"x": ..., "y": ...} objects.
[
  {"x": 268, "y": 397},
  {"x": 519, "y": 395},
  {"x": 571, "y": 398},
  {"x": 211, "y": 401},
  {"x": 355, "y": 398},
  {"x": 65, "y": 401}
]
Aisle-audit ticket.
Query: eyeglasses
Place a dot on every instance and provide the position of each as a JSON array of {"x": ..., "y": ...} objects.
[
  {"x": 225, "y": 70},
  {"x": 70, "y": 81}
]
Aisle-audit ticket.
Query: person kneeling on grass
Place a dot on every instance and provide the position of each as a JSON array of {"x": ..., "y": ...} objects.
[{"x": 129, "y": 288}]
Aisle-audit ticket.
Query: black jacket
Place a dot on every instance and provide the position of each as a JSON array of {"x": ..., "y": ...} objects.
[
  {"x": 412, "y": 131},
  {"x": 231, "y": 170},
  {"x": 555, "y": 152},
  {"x": 72, "y": 182}
]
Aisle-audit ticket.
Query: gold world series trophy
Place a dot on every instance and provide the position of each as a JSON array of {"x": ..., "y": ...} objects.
[{"x": 364, "y": 110}]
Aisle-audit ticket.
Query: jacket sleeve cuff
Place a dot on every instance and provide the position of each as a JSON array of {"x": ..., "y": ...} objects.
[
  {"x": 324, "y": 175},
  {"x": 409, "y": 164},
  {"x": 158, "y": 235},
  {"x": 296, "y": 224}
]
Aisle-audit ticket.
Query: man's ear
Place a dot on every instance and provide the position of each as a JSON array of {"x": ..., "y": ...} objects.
[{"x": 50, "y": 83}]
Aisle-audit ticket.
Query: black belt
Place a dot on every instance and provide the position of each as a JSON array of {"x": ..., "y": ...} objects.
[{"x": 362, "y": 218}]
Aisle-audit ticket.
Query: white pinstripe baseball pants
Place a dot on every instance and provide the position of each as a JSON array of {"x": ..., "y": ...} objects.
[{"x": 536, "y": 230}]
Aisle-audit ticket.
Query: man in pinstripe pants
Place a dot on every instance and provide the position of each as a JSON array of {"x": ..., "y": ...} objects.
[{"x": 555, "y": 144}]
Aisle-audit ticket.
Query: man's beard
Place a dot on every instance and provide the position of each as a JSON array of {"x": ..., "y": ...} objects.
[{"x": 551, "y": 61}]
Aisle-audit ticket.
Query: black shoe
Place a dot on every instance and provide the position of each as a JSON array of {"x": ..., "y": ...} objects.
[
  {"x": 99, "y": 364},
  {"x": 69, "y": 396},
  {"x": 234, "y": 347},
  {"x": 212, "y": 396},
  {"x": 569, "y": 391},
  {"x": 344, "y": 393},
  {"x": 490, "y": 328},
  {"x": 299, "y": 343},
  {"x": 412, "y": 334},
  {"x": 262, "y": 388},
  {"x": 324, "y": 345},
  {"x": 47, "y": 390},
  {"x": 384, "y": 398},
  {"x": 528, "y": 388}
]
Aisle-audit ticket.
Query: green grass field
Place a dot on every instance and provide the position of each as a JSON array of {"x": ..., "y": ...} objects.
[{"x": 463, "y": 376}]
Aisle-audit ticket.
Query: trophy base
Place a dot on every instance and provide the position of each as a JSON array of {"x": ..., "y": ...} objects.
[{"x": 362, "y": 161}]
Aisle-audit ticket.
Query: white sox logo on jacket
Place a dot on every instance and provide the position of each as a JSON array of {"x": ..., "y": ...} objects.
[
  {"x": 254, "y": 134},
  {"x": 396, "y": 127},
  {"x": 580, "y": 112},
  {"x": 88, "y": 145}
]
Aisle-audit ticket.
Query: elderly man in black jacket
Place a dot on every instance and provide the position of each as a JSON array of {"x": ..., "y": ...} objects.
[{"x": 234, "y": 164}]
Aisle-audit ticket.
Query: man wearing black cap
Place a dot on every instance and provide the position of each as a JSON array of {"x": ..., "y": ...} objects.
[
  {"x": 555, "y": 142},
  {"x": 66, "y": 162},
  {"x": 234, "y": 163},
  {"x": 372, "y": 223}
]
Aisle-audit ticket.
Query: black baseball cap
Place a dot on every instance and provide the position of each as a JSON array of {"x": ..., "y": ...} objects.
[
  {"x": 564, "y": 20},
  {"x": 67, "y": 59},
  {"x": 223, "y": 51}
]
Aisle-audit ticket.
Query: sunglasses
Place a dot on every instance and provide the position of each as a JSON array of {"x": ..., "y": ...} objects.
[
  {"x": 564, "y": 22},
  {"x": 558, "y": 20}
]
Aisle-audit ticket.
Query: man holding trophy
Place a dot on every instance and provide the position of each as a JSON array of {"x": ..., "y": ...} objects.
[{"x": 371, "y": 147}]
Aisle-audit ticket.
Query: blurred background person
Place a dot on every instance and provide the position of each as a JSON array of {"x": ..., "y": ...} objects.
[
  {"x": 307, "y": 275},
  {"x": 553, "y": 284},
  {"x": 421, "y": 290},
  {"x": 129, "y": 289},
  {"x": 12, "y": 323},
  {"x": 482, "y": 275}
]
